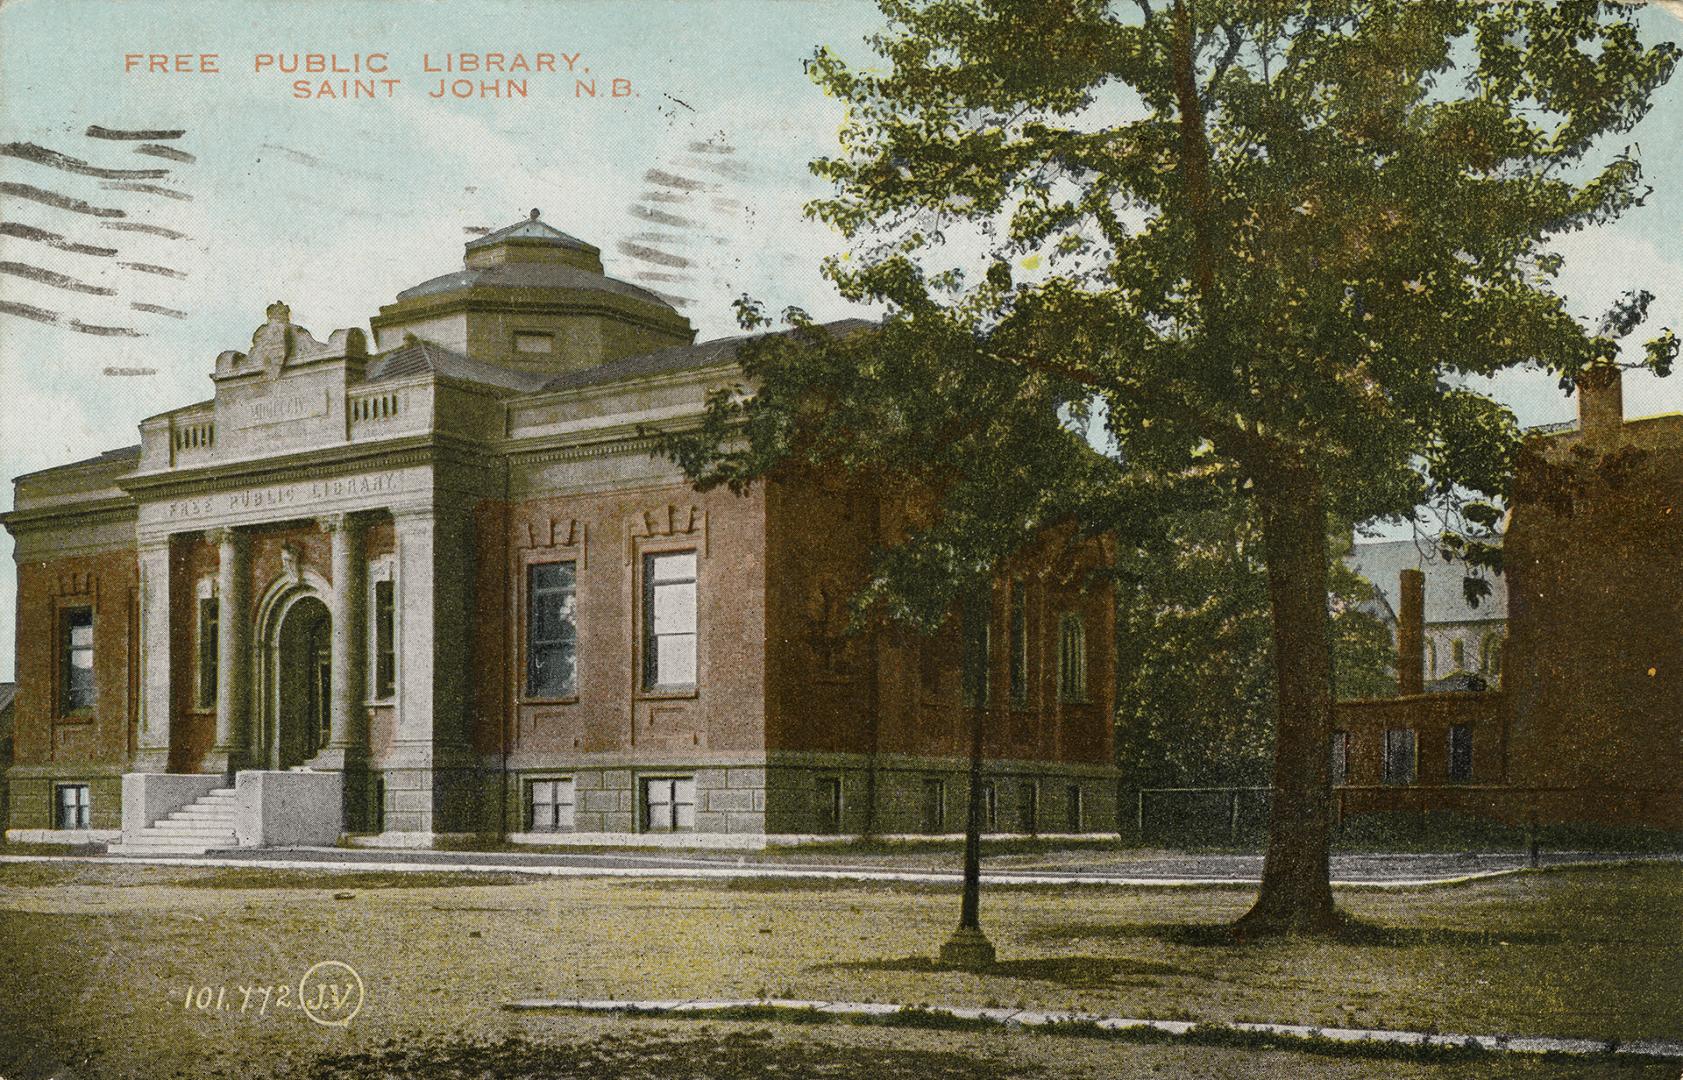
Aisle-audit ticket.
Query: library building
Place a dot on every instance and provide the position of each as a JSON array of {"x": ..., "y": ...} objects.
[{"x": 431, "y": 584}]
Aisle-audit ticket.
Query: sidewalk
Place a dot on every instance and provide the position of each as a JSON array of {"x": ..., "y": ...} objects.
[
  {"x": 1114, "y": 869},
  {"x": 1087, "y": 1023}
]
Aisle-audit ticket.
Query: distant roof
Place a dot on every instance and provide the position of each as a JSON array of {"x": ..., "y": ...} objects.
[
  {"x": 530, "y": 229},
  {"x": 677, "y": 358},
  {"x": 529, "y": 275},
  {"x": 122, "y": 453},
  {"x": 415, "y": 357},
  {"x": 1446, "y": 602},
  {"x": 8, "y": 694}
]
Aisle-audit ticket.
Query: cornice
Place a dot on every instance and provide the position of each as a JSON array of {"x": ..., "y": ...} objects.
[
  {"x": 319, "y": 463},
  {"x": 103, "y": 512},
  {"x": 464, "y": 300}
]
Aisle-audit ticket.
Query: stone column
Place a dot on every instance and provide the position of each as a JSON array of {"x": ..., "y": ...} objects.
[
  {"x": 348, "y": 719},
  {"x": 429, "y": 774},
  {"x": 233, "y": 652},
  {"x": 156, "y": 706}
]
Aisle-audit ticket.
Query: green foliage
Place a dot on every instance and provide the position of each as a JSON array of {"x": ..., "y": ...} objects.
[{"x": 1197, "y": 703}]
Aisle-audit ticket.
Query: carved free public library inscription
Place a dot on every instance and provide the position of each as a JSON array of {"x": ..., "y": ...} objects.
[{"x": 283, "y": 496}]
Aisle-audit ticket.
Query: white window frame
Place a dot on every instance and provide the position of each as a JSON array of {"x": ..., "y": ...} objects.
[
  {"x": 672, "y": 787},
  {"x": 529, "y": 691},
  {"x": 649, "y": 675},
  {"x": 382, "y": 571},
  {"x": 563, "y": 812},
  {"x": 81, "y": 806}
]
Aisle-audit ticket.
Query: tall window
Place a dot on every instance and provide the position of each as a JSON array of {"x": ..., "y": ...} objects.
[
  {"x": 990, "y": 805},
  {"x": 1399, "y": 756},
  {"x": 72, "y": 806},
  {"x": 1458, "y": 654},
  {"x": 669, "y": 621},
  {"x": 1460, "y": 752},
  {"x": 550, "y": 805},
  {"x": 1072, "y": 659},
  {"x": 669, "y": 804},
  {"x": 1019, "y": 644},
  {"x": 1340, "y": 757},
  {"x": 1072, "y": 807},
  {"x": 975, "y": 662},
  {"x": 551, "y": 630},
  {"x": 77, "y": 689},
  {"x": 385, "y": 639},
  {"x": 208, "y": 647}
]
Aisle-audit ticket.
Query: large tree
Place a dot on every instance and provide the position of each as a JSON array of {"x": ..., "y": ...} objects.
[{"x": 1274, "y": 239}]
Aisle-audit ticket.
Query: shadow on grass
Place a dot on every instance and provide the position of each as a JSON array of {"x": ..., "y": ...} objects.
[
  {"x": 1070, "y": 972},
  {"x": 1351, "y": 932}
]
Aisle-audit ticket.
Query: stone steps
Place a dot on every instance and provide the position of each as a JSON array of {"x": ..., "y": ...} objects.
[{"x": 203, "y": 825}]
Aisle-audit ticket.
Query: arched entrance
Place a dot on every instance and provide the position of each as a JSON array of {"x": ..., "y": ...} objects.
[{"x": 299, "y": 685}]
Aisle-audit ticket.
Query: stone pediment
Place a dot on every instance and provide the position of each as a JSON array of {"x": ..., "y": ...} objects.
[{"x": 281, "y": 343}]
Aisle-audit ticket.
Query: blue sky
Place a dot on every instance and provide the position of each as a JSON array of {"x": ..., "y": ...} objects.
[{"x": 335, "y": 205}]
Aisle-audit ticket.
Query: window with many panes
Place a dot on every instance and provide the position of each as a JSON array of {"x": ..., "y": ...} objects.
[
  {"x": 669, "y": 803},
  {"x": 976, "y": 614},
  {"x": 1019, "y": 645},
  {"x": 669, "y": 621},
  {"x": 1460, "y": 752},
  {"x": 385, "y": 639},
  {"x": 827, "y": 803},
  {"x": 551, "y": 630},
  {"x": 76, "y": 688},
  {"x": 1072, "y": 659},
  {"x": 549, "y": 805},
  {"x": 209, "y": 623},
  {"x": 1399, "y": 756},
  {"x": 71, "y": 806}
]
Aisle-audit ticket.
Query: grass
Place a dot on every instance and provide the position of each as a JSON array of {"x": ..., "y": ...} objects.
[{"x": 97, "y": 960}]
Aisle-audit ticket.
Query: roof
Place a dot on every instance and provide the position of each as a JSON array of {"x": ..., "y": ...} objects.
[
  {"x": 677, "y": 358},
  {"x": 530, "y": 229},
  {"x": 1460, "y": 682},
  {"x": 529, "y": 275},
  {"x": 1382, "y": 562},
  {"x": 417, "y": 357},
  {"x": 8, "y": 694},
  {"x": 117, "y": 456}
]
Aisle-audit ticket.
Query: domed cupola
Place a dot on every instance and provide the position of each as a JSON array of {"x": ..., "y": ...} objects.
[{"x": 533, "y": 298}]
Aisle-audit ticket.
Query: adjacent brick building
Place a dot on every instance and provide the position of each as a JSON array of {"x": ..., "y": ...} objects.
[
  {"x": 431, "y": 584},
  {"x": 1587, "y": 722}
]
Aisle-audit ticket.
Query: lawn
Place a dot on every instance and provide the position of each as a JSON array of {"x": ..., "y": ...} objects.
[{"x": 96, "y": 963}]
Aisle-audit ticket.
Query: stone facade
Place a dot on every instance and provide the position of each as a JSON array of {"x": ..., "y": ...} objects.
[{"x": 448, "y": 570}]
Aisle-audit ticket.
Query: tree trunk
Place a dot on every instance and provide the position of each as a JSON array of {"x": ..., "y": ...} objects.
[{"x": 1296, "y": 894}]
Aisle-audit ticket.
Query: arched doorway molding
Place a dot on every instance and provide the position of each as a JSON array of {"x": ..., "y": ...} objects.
[{"x": 281, "y": 599}]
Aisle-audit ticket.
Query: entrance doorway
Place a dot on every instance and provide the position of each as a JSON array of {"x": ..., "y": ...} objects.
[{"x": 302, "y": 687}]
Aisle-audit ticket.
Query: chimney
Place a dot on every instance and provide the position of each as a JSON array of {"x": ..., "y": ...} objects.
[
  {"x": 1601, "y": 402},
  {"x": 1411, "y": 633}
]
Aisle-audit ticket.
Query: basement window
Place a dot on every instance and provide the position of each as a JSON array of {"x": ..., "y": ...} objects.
[{"x": 71, "y": 806}]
